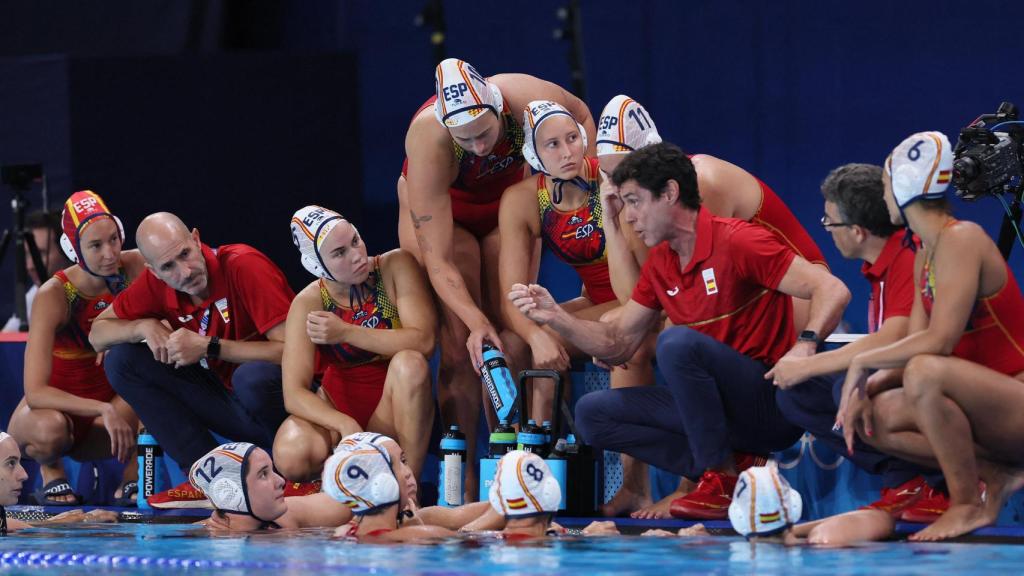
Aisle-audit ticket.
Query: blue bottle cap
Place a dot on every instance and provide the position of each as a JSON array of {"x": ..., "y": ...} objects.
[
  {"x": 454, "y": 428},
  {"x": 571, "y": 438}
]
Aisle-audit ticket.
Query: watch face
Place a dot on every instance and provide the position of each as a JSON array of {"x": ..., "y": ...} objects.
[{"x": 809, "y": 335}]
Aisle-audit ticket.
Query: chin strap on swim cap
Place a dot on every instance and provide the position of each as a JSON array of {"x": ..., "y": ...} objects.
[
  {"x": 310, "y": 227},
  {"x": 81, "y": 210}
]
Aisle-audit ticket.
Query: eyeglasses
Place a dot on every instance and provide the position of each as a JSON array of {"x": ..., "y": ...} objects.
[{"x": 827, "y": 225}]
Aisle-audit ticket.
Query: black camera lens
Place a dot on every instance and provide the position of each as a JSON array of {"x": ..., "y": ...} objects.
[{"x": 965, "y": 169}]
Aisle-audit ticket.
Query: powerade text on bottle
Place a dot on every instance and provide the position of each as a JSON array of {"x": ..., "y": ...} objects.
[
  {"x": 498, "y": 381},
  {"x": 151, "y": 457},
  {"x": 451, "y": 483}
]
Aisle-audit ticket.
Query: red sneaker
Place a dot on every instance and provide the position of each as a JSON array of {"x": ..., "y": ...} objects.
[
  {"x": 184, "y": 495},
  {"x": 928, "y": 508},
  {"x": 896, "y": 500},
  {"x": 709, "y": 500},
  {"x": 301, "y": 488}
]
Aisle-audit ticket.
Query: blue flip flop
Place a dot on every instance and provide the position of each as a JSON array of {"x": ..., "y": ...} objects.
[
  {"x": 129, "y": 492},
  {"x": 56, "y": 487}
]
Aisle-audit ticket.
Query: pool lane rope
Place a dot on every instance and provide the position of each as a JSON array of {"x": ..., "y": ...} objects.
[{"x": 30, "y": 558}]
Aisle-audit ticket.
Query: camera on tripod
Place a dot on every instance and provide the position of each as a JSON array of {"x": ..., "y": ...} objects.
[{"x": 988, "y": 161}]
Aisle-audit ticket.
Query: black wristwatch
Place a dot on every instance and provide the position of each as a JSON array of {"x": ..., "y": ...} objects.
[
  {"x": 213, "y": 348},
  {"x": 805, "y": 336}
]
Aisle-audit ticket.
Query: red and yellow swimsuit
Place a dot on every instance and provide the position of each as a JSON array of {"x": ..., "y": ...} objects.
[{"x": 354, "y": 378}]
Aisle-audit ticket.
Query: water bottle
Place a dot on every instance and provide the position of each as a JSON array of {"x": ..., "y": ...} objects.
[
  {"x": 151, "y": 457},
  {"x": 503, "y": 440},
  {"x": 453, "y": 468},
  {"x": 531, "y": 439},
  {"x": 546, "y": 428},
  {"x": 497, "y": 379}
]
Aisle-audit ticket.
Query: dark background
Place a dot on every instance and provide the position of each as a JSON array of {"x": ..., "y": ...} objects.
[{"x": 235, "y": 113}]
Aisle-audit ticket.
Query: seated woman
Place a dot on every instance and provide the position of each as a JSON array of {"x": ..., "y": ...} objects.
[
  {"x": 561, "y": 207},
  {"x": 959, "y": 404},
  {"x": 248, "y": 495},
  {"x": 69, "y": 407},
  {"x": 371, "y": 319},
  {"x": 368, "y": 473}
]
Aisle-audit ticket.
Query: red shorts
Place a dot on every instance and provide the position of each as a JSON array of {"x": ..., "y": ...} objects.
[
  {"x": 474, "y": 211},
  {"x": 356, "y": 390}
]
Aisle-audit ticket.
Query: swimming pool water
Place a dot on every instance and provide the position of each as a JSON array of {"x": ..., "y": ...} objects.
[{"x": 140, "y": 548}]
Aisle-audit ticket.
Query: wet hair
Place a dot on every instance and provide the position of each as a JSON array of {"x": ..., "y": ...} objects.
[
  {"x": 858, "y": 193},
  {"x": 654, "y": 165}
]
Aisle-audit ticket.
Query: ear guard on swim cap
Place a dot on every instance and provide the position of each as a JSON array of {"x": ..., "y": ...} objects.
[
  {"x": 920, "y": 168},
  {"x": 763, "y": 503},
  {"x": 310, "y": 227},
  {"x": 80, "y": 210},
  {"x": 219, "y": 474},
  {"x": 524, "y": 486},
  {"x": 359, "y": 476},
  {"x": 463, "y": 94},
  {"x": 534, "y": 115},
  {"x": 625, "y": 126}
]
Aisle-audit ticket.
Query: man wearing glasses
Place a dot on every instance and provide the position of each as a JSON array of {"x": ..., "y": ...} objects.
[{"x": 857, "y": 219}]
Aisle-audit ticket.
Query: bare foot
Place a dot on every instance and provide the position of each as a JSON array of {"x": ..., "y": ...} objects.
[
  {"x": 1000, "y": 484},
  {"x": 957, "y": 521},
  {"x": 625, "y": 501},
  {"x": 660, "y": 509}
]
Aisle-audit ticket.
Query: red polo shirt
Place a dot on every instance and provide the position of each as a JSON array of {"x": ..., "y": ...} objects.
[
  {"x": 728, "y": 289},
  {"x": 248, "y": 296},
  {"x": 892, "y": 281}
]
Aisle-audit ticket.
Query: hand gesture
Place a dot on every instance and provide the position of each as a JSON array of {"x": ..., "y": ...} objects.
[
  {"x": 325, "y": 327},
  {"x": 535, "y": 302},
  {"x": 788, "y": 372},
  {"x": 185, "y": 347}
]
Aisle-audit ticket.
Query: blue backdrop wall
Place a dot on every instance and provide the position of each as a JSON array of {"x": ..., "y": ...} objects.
[{"x": 787, "y": 89}]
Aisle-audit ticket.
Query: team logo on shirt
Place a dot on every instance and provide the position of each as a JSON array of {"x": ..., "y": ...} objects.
[
  {"x": 185, "y": 319},
  {"x": 101, "y": 305},
  {"x": 673, "y": 291},
  {"x": 710, "y": 286}
]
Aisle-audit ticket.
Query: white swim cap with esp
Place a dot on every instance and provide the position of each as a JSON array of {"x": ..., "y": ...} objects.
[
  {"x": 625, "y": 126},
  {"x": 463, "y": 94},
  {"x": 534, "y": 115},
  {"x": 920, "y": 168},
  {"x": 763, "y": 503},
  {"x": 220, "y": 475},
  {"x": 524, "y": 486},
  {"x": 310, "y": 227},
  {"x": 359, "y": 475}
]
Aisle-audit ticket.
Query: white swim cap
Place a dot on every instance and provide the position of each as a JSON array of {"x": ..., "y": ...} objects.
[
  {"x": 534, "y": 115},
  {"x": 359, "y": 437},
  {"x": 920, "y": 168},
  {"x": 763, "y": 502},
  {"x": 310, "y": 227},
  {"x": 463, "y": 94},
  {"x": 524, "y": 486},
  {"x": 359, "y": 476},
  {"x": 625, "y": 126},
  {"x": 220, "y": 475}
]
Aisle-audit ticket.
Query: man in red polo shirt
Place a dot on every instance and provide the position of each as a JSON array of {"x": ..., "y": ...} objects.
[
  {"x": 725, "y": 285},
  {"x": 856, "y": 217},
  {"x": 212, "y": 320}
]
